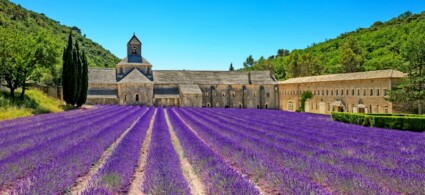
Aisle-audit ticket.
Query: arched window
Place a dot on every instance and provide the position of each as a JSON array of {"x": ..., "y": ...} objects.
[
  {"x": 267, "y": 106},
  {"x": 208, "y": 105},
  {"x": 137, "y": 97},
  {"x": 240, "y": 105},
  {"x": 134, "y": 50},
  {"x": 125, "y": 97}
]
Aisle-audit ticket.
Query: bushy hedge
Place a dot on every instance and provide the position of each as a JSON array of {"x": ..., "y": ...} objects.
[{"x": 391, "y": 121}]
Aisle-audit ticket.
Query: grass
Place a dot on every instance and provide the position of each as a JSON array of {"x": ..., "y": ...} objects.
[{"x": 35, "y": 102}]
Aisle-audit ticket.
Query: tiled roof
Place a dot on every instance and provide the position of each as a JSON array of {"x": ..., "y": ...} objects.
[
  {"x": 102, "y": 75},
  {"x": 189, "y": 89},
  {"x": 378, "y": 74},
  {"x": 135, "y": 76},
  {"x": 211, "y": 77}
]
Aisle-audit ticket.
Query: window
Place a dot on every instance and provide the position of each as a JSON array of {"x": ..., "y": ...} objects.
[
  {"x": 352, "y": 92},
  {"x": 327, "y": 92},
  {"x": 364, "y": 92},
  {"x": 267, "y": 106},
  {"x": 267, "y": 94},
  {"x": 332, "y": 92},
  {"x": 137, "y": 97},
  {"x": 208, "y": 105},
  {"x": 323, "y": 92},
  {"x": 371, "y": 92},
  {"x": 336, "y": 92},
  {"x": 254, "y": 94},
  {"x": 342, "y": 92},
  {"x": 240, "y": 105},
  {"x": 206, "y": 94},
  {"x": 134, "y": 50},
  {"x": 290, "y": 105},
  {"x": 358, "y": 92},
  {"x": 125, "y": 97},
  {"x": 347, "y": 92},
  {"x": 329, "y": 107},
  {"x": 377, "y": 92}
]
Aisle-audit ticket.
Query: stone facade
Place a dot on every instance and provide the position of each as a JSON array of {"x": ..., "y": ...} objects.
[
  {"x": 134, "y": 82},
  {"x": 361, "y": 92}
]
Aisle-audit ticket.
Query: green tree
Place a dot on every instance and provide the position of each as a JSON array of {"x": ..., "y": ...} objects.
[
  {"x": 231, "y": 67},
  {"x": 282, "y": 52},
  {"x": 21, "y": 55},
  {"x": 279, "y": 67},
  {"x": 412, "y": 88},
  {"x": 84, "y": 81},
  {"x": 351, "y": 56},
  {"x": 293, "y": 68},
  {"x": 69, "y": 73},
  {"x": 249, "y": 63},
  {"x": 304, "y": 97}
]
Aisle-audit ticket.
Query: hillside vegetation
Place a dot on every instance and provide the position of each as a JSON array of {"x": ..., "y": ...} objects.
[
  {"x": 381, "y": 46},
  {"x": 17, "y": 20},
  {"x": 35, "y": 102}
]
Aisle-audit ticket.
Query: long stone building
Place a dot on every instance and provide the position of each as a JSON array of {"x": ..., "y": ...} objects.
[
  {"x": 360, "y": 92},
  {"x": 134, "y": 82}
]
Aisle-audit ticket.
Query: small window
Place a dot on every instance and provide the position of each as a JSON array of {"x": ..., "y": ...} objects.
[
  {"x": 371, "y": 92},
  {"x": 327, "y": 92},
  {"x": 352, "y": 92},
  {"x": 323, "y": 92},
  {"x": 329, "y": 107},
  {"x": 377, "y": 92},
  {"x": 332, "y": 92},
  {"x": 206, "y": 94},
  {"x": 240, "y": 105},
  {"x": 254, "y": 94},
  {"x": 125, "y": 97},
  {"x": 347, "y": 92},
  {"x": 342, "y": 92},
  {"x": 267, "y": 94},
  {"x": 137, "y": 97},
  {"x": 336, "y": 92},
  {"x": 358, "y": 92},
  {"x": 208, "y": 105},
  {"x": 364, "y": 92},
  {"x": 134, "y": 50}
]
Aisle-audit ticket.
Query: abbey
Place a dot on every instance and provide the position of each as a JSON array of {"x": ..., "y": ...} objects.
[{"x": 134, "y": 82}]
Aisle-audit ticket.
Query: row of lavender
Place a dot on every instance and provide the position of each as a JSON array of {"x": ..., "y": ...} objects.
[
  {"x": 47, "y": 158},
  {"x": 301, "y": 153}
]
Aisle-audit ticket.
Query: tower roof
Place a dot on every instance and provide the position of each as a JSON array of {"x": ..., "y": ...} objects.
[{"x": 134, "y": 39}]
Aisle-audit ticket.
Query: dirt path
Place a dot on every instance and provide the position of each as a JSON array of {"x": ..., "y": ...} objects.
[
  {"x": 84, "y": 181},
  {"x": 138, "y": 176},
  {"x": 227, "y": 161},
  {"x": 195, "y": 183}
]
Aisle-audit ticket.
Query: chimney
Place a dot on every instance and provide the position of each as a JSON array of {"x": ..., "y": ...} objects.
[{"x": 249, "y": 77}]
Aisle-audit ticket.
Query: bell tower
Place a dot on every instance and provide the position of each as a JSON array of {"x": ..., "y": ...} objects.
[{"x": 134, "y": 50}]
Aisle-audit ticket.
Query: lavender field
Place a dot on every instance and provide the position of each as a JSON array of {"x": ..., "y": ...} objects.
[{"x": 141, "y": 150}]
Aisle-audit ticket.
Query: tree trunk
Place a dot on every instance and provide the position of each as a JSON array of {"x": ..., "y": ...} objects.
[
  {"x": 23, "y": 92},
  {"x": 12, "y": 93}
]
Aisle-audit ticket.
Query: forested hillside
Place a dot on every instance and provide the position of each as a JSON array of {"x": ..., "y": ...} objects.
[
  {"x": 381, "y": 46},
  {"x": 15, "y": 20}
]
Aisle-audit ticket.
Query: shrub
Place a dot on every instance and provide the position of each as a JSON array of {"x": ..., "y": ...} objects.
[{"x": 407, "y": 122}]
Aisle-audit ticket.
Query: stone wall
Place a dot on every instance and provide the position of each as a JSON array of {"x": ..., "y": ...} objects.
[
  {"x": 239, "y": 96},
  {"x": 133, "y": 93},
  {"x": 191, "y": 100},
  {"x": 101, "y": 100},
  {"x": 356, "y": 95}
]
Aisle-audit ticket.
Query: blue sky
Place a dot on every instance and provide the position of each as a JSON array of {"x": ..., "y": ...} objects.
[{"x": 209, "y": 35}]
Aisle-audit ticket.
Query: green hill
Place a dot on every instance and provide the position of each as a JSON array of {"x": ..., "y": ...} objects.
[
  {"x": 375, "y": 48},
  {"x": 15, "y": 18}
]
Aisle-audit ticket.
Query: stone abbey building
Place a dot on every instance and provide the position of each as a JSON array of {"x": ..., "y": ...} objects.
[{"x": 133, "y": 82}]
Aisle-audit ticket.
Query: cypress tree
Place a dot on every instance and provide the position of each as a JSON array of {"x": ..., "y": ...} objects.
[
  {"x": 67, "y": 72},
  {"x": 84, "y": 81},
  {"x": 78, "y": 71}
]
